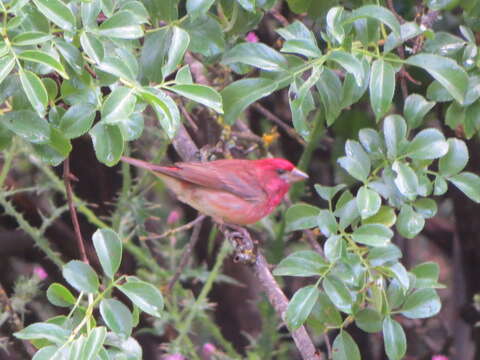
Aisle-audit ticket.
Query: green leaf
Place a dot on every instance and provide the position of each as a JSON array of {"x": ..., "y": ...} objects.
[
  {"x": 154, "y": 51},
  {"x": 456, "y": 158},
  {"x": 132, "y": 127},
  {"x": 94, "y": 342},
  {"x": 401, "y": 274},
  {"x": 324, "y": 314},
  {"x": 77, "y": 120},
  {"x": 200, "y": 93},
  {"x": 301, "y": 305},
  {"x": 119, "y": 105},
  {"x": 350, "y": 63},
  {"x": 81, "y": 276},
  {"x": 57, "y": 12},
  {"x": 7, "y": 63},
  {"x": 421, "y": 304},
  {"x": 59, "y": 295},
  {"x": 428, "y": 144},
  {"x": 330, "y": 90},
  {"x": 394, "y": 339},
  {"x": 240, "y": 94},
  {"x": 299, "y": 39},
  {"x": 301, "y": 263},
  {"x": 379, "y": 13},
  {"x": 117, "y": 316},
  {"x": 357, "y": 162},
  {"x": 380, "y": 255},
  {"x": 369, "y": 320},
  {"x": 165, "y": 109},
  {"x": 116, "y": 67},
  {"x": 144, "y": 295},
  {"x": 426, "y": 275},
  {"x": 29, "y": 38},
  {"x": 335, "y": 27},
  {"x": 368, "y": 202},
  {"x": 122, "y": 25},
  {"x": 382, "y": 87},
  {"x": 108, "y": 247},
  {"x": 328, "y": 192},
  {"x": 468, "y": 183},
  {"x": 43, "y": 58},
  {"x": 394, "y": 132},
  {"x": 107, "y": 143},
  {"x": 59, "y": 142},
  {"x": 327, "y": 223},
  {"x": 415, "y": 109},
  {"x": 257, "y": 55},
  {"x": 196, "y": 8},
  {"x": 184, "y": 76},
  {"x": 426, "y": 207},
  {"x": 51, "y": 332},
  {"x": 300, "y": 217},
  {"x": 446, "y": 71},
  {"x": 408, "y": 31},
  {"x": 71, "y": 54},
  {"x": 406, "y": 179},
  {"x": 92, "y": 47},
  {"x": 372, "y": 235},
  {"x": 345, "y": 348},
  {"x": 338, "y": 293},
  {"x": 178, "y": 45},
  {"x": 46, "y": 353},
  {"x": 206, "y": 35},
  {"x": 35, "y": 90},
  {"x": 386, "y": 216},
  {"x": 28, "y": 125},
  {"x": 333, "y": 248},
  {"x": 89, "y": 12},
  {"x": 440, "y": 186}
]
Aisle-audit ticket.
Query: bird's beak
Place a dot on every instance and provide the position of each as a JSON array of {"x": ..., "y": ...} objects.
[{"x": 295, "y": 175}]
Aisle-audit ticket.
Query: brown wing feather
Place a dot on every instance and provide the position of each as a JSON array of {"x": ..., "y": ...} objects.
[{"x": 234, "y": 176}]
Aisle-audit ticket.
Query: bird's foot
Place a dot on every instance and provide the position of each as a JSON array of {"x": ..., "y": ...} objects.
[{"x": 241, "y": 241}]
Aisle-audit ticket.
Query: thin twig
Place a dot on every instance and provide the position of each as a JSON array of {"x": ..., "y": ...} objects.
[
  {"x": 73, "y": 213},
  {"x": 170, "y": 232},
  {"x": 187, "y": 252},
  {"x": 189, "y": 118},
  {"x": 275, "y": 119},
  {"x": 313, "y": 242}
]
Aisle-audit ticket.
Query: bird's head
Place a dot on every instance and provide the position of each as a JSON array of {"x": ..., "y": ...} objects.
[{"x": 281, "y": 169}]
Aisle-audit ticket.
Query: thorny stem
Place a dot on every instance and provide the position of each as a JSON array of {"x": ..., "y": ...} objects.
[{"x": 73, "y": 213}]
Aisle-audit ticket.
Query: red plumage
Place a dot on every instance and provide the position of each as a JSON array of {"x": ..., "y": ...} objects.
[{"x": 231, "y": 191}]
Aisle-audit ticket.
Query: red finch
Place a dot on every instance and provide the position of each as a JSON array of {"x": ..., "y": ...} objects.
[{"x": 239, "y": 192}]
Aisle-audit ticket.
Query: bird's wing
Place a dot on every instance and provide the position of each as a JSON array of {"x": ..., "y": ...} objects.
[{"x": 234, "y": 176}]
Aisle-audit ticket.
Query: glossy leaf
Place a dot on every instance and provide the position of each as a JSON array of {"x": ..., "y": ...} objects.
[
  {"x": 406, "y": 179},
  {"x": 415, "y": 109},
  {"x": 345, "y": 348},
  {"x": 394, "y": 132},
  {"x": 257, "y": 55},
  {"x": 327, "y": 223},
  {"x": 456, "y": 158},
  {"x": 44, "y": 59},
  {"x": 350, "y": 63},
  {"x": 468, "y": 183},
  {"x": 35, "y": 90},
  {"x": 426, "y": 275},
  {"x": 51, "y": 332},
  {"x": 372, "y": 235},
  {"x": 121, "y": 25},
  {"x": 394, "y": 339},
  {"x": 299, "y": 39},
  {"x": 421, "y": 304},
  {"x": 7, "y": 63},
  {"x": 29, "y": 38},
  {"x": 198, "y": 7},
  {"x": 81, "y": 276},
  {"x": 382, "y": 87},
  {"x": 446, "y": 71},
  {"x": 200, "y": 93},
  {"x": 57, "y": 12},
  {"x": 380, "y": 255},
  {"x": 144, "y": 295},
  {"x": 333, "y": 248},
  {"x": 369, "y": 320},
  {"x": 368, "y": 202},
  {"x": 379, "y": 13},
  {"x": 300, "y": 306},
  {"x": 59, "y": 295},
  {"x": 167, "y": 111},
  {"x": 240, "y": 94},
  {"x": 328, "y": 192},
  {"x": 301, "y": 263},
  {"x": 107, "y": 143},
  {"x": 301, "y": 216},
  {"x": 178, "y": 44},
  {"x": 108, "y": 247},
  {"x": 94, "y": 342},
  {"x": 338, "y": 293},
  {"x": 92, "y": 46},
  {"x": 77, "y": 120},
  {"x": 118, "y": 105},
  {"x": 117, "y": 316},
  {"x": 28, "y": 125},
  {"x": 427, "y": 144}
]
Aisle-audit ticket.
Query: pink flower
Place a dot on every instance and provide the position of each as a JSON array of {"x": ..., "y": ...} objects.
[
  {"x": 209, "y": 349},
  {"x": 173, "y": 217},
  {"x": 251, "y": 37},
  {"x": 174, "y": 357},
  {"x": 40, "y": 272},
  {"x": 439, "y": 357}
]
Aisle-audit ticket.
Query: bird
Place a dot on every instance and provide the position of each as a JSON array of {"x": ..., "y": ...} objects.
[{"x": 232, "y": 191}]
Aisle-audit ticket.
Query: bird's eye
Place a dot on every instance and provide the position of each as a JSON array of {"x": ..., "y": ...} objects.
[{"x": 281, "y": 171}]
